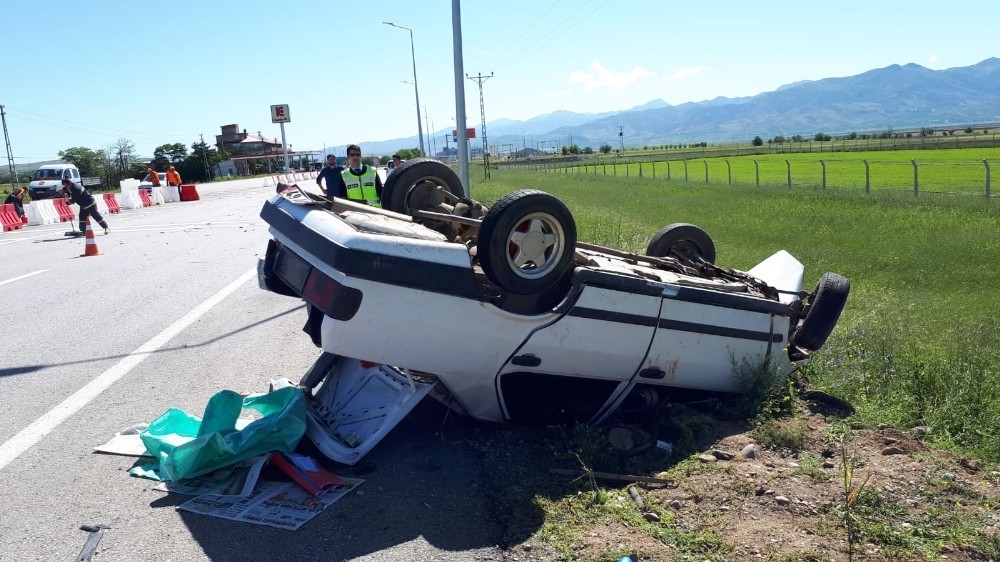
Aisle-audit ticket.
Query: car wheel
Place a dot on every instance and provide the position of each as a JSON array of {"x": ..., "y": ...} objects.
[
  {"x": 526, "y": 241},
  {"x": 683, "y": 241},
  {"x": 422, "y": 184},
  {"x": 825, "y": 306}
]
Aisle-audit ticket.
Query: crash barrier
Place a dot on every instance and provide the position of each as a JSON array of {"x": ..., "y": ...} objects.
[
  {"x": 156, "y": 196},
  {"x": 130, "y": 200},
  {"x": 144, "y": 197},
  {"x": 9, "y": 218},
  {"x": 171, "y": 193},
  {"x": 129, "y": 185},
  {"x": 41, "y": 212},
  {"x": 189, "y": 192},
  {"x": 111, "y": 203},
  {"x": 65, "y": 213},
  {"x": 102, "y": 205}
]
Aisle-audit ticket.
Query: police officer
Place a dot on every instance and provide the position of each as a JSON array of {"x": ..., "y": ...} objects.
[{"x": 361, "y": 183}]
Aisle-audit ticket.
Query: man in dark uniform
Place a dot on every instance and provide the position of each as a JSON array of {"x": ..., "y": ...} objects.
[
  {"x": 88, "y": 205},
  {"x": 330, "y": 175}
]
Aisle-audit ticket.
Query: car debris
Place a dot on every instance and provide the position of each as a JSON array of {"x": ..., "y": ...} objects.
[{"x": 503, "y": 315}]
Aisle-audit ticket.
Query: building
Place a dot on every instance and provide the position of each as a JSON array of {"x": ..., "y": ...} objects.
[{"x": 243, "y": 147}]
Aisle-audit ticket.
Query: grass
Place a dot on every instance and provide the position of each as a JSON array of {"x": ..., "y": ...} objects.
[
  {"x": 958, "y": 170},
  {"x": 916, "y": 344}
]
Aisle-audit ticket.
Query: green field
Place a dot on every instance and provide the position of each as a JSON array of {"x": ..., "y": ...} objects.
[
  {"x": 917, "y": 344},
  {"x": 957, "y": 171}
]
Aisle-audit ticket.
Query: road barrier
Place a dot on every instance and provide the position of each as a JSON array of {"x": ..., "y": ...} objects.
[
  {"x": 111, "y": 203},
  {"x": 189, "y": 192},
  {"x": 65, "y": 213},
  {"x": 9, "y": 218},
  {"x": 144, "y": 197}
]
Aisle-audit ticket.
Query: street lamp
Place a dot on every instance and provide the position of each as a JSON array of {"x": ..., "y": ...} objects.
[
  {"x": 523, "y": 146},
  {"x": 416, "y": 93}
]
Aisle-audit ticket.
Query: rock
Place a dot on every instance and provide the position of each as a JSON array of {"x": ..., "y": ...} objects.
[
  {"x": 828, "y": 453},
  {"x": 890, "y": 441},
  {"x": 920, "y": 431},
  {"x": 676, "y": 504},
  {"x": 707, "y": 458},
  {"x": 971, "y": 465},
  {"x": 749, "y": 452},
  {"x": 621, "y": 439},
  {"x": 650, "y": 516},
  {"x": 781, "y": 500},
  {"x": 949, "y": 476},
  {"x": 722, "y": 455},
  {"x": 892, "y": 450},
  {"x": 768, "y": 492},
  {"x": 759, "y": 491},
  {"x": 883, "y": 426},
  {"x": 829, "y": 464}
]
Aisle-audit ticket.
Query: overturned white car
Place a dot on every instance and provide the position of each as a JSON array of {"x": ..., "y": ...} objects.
[{"x": 502, "y": 314}]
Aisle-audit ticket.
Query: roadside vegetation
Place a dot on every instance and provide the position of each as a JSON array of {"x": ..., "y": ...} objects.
[{"x": 915, "y": 354}]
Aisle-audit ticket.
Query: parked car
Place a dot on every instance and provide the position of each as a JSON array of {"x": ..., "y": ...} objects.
[
  {"x": 146, "y": 184},
  {"x": 503, "y": 315},
  {"x": 47, "y": 180}
]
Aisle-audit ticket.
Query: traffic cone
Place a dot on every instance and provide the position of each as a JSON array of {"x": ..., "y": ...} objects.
[{"x": 90, "y": 249}]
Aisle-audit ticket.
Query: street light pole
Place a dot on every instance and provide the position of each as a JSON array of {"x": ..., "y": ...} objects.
[
  {"x": 416, "y": 92},
  {"x": 523, "y": 146}
]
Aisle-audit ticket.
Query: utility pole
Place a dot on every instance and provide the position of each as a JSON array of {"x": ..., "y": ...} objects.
[
  {"x": 204, "y": 157},
  {"x": 10, "y": 153},
  {"x": 621, "y": 140},
  {"x": 479, "y": 79}
]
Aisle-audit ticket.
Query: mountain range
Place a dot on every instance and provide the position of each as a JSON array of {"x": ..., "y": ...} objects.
[{"x": 897, "y": 97}]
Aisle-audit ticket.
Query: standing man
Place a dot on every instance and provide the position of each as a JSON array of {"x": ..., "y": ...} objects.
[
  {"x": 330, "y": 174},
  {"x": 360, "y": 180},
  {"x": 154, "y": 178},
  {"x": 396, "y": 162},
  {"x": 173, "y": 177},
  {"x": 88, "y": 205}
]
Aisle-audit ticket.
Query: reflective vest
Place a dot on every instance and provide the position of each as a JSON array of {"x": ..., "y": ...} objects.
[{"x": 361, "y": 187}]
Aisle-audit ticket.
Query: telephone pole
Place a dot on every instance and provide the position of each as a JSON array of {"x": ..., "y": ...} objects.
[
  {"x": 204, "y": 157},
  {"x": 10, "y": 153},
  {"x": 479, "y": 79},
  {"x": 621, "y": 140}
]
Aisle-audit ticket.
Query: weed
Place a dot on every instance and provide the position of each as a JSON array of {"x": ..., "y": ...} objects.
[
  {"x": 809, "y": 465},
  {"x": 789, "y": 435}
]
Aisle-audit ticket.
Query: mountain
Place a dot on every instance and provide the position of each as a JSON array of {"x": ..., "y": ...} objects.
[{"x": 897, "y": 97}]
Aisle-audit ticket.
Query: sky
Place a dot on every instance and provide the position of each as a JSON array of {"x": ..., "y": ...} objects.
[{"x": 88, "y": 73}]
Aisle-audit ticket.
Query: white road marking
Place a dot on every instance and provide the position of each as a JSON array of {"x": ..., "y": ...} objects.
[
  {"x": 25, "y": 276},
  {"x": 34, "y": 432}
]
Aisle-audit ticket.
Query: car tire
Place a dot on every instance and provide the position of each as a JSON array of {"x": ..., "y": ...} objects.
[
  {"x": 826, "y": 304},
  {"x": 526, "y": 241},
  {"x": 415, "y": 186},
  {"x": 682, "y": 241}
]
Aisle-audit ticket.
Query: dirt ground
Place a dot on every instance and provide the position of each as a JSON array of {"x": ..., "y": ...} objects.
[{"x": 777, "y": 492}]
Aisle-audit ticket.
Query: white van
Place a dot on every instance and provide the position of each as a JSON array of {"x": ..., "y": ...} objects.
[{"x": 47, "y": 180}]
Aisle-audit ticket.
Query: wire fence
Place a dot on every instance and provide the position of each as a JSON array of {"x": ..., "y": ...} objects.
[{"x": 958, "y": 177}]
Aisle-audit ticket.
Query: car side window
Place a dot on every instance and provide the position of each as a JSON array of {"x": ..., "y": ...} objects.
[
  {"x": 66, "y": 175},
  {"x": 76, "y": 174}
]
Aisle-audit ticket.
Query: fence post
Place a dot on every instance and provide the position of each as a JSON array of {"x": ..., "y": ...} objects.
[
  {"x": 626, "y": 169},
  {"x": 916, "y": 190},
  {"x": 668, "y": 170},
  {"x": 729, "y": 172},
  {"x": 788, "y": 167},
  {"x": 756, "y": 172},
  {"x": 706, "y": 170},
  {"x": 822, "y": 165},
  {"x": 640, "y": 169},
  {"x": 987, "y": 164},
  {"x": 654, "y": 169},
  {"x": 605, "y": 168},
  {"x": 868, "y": 178},
  {"x": 685, "y": 162}
]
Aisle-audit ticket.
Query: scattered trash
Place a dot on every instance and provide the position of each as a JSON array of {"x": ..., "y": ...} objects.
[
  {"x": 126, "y": 442},
  {"x": 284, "y": 505},
  {"x": 187, "y": 446},
  {"x": 665, "y": 446},
  {"x": 307, "y": 473},
  {"x": 610, "y": 476},
  {"x": 96, "y": 532},
  {"x": 239, "y": 479}
]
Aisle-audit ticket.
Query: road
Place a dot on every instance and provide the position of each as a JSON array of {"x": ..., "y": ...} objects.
[{"x": 166, "y": 316}]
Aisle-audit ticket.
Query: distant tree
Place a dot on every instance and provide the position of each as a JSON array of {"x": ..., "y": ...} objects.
[
  {"x": 605, "y": 148},
  {"x": 821, "y": 137},
  {"x": 408, "y": 153},
  {"x": 757, "y": 141},
  {"x": 565, "y": 150},
  {"x": 574, "y": 149},
  {"x": 588, "y": 150},
  {"x": 797, "y": 138},
  {"x": 89, "y": 161},
  {"x": 986, "y": 131},
  {"x": 852, "y": 136},
  {"x": 193, "y": 167},
  {"x": 968, "y": 130}
]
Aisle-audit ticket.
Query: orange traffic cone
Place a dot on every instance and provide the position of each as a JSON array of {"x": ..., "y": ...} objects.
[{"x": 91, "y": 245}]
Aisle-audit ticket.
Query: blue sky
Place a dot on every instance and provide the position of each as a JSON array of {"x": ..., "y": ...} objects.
[{"x": 87, "y": 73}]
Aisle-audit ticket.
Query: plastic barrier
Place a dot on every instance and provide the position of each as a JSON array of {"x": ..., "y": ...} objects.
[
  {"x": 189, "y": 192},
  {"x": 144, "y": 197},
  {"x": 41, "y": 212},
  {"x": 171, "y": 193},
  {"x": 9, "y": 218},
  {"x": 129, "y": 185},
  {"x": 129, "y": 200},
  {"x": 157, "y": 196},
  {"x": 102, "y": 205},
  {"x": 65, "y": 213},
  {"x": 298, "y": 177},
  {"x": 111, "y": 203}
]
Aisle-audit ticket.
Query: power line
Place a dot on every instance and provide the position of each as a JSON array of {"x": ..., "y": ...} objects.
[
  {"x": 67, "y": 125},
  {"x": 541, "y": 42}
]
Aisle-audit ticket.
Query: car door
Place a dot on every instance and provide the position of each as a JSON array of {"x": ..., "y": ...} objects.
[{"x": 570, "y": 369}]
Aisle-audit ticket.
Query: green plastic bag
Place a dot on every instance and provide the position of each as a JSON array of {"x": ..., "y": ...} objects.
[{"x": 187, "y": 446}]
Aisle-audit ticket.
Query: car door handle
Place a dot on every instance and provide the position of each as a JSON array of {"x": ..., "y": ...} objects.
[
  {"x": 652, "y": 373},
  {"x": 526, "y": 360}
]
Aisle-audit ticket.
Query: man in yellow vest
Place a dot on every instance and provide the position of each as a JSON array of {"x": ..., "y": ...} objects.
[{"x": 361, "y": 183}]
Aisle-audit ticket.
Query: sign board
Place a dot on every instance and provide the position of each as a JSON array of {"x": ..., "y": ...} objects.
[
  {"x": 279, "y": 114},
  {"x": 470, "y": 133}
]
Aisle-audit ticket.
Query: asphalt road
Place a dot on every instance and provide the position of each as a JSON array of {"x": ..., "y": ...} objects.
[{"x": 169, "y": 314}]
